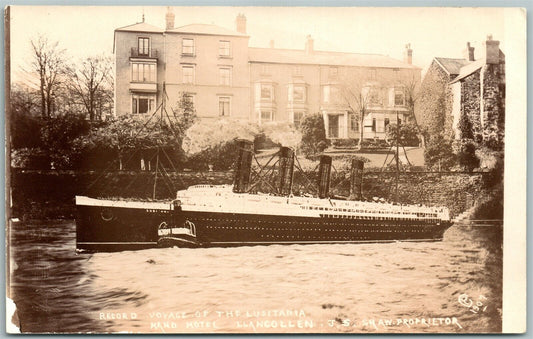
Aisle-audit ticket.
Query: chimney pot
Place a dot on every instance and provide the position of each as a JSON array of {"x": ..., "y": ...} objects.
[
  {"x": 240, "y": 23},
  {"x": 408, "y": 54},
  {"x": 468, "y": 53},
  {"x": 271, "y": 44},
  {"x": 309, "y": 45},
  {"x": 169, "y": 18},
  {"x": 492, "y": 51}
]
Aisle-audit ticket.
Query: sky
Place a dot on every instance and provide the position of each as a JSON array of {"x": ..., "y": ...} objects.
[{"x": 85, "y": 31}]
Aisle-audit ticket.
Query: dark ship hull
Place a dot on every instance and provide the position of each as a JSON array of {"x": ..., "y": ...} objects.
[
  {"x": 110, "y": 228},
  {"x": 206, "y": 215}
]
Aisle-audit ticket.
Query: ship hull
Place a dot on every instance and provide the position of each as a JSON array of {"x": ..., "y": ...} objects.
[{"x": 110, "y": 228}]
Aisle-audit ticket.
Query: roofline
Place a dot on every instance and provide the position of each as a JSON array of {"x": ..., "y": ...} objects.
[
  {"x": 210, "y": 34},
  {"x": 139, "y": 31},
  {"x": 441, "y": 66},
  {"x": 461, "y": 77},
  {"x": 411, "y": 66},
  {"x": 319, "y": 51},
  {"x": 325, "y": 64}
]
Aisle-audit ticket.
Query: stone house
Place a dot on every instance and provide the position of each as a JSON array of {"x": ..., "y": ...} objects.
[
  {"x": 465, "y": 98},
  {"x": 224, "y": 77}
]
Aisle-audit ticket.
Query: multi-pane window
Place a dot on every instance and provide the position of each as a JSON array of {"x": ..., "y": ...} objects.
[
  {"x": 187, "y": 74},
  {"x": 373, "y": 96},
  {"x": 143, "y": 72},
  {"x": 224, "y": 48},
  {"x": 265, "y": 69},
  {"x": 224, "y": 106},
  {"x": 141, "y": 104},
  {"x": 298, "y": 93},
  {"x": 397, "y": 73},
  {"x": 373, "y": 74},
  {"x": 333, "y": 72},
  {"x": 266, "y": 116},
  {"x": 297, "y": 118},
  {"x": 224, "y": 76},
  {"x": 387, "y": 123},
  {"x": 187, "y": 104},
  {"x": 399, "y": 99},
  {"x": 187, "y": 47},
  {"x": 332, "y": 95},
  {"x": 143, "y": 46},
  {"x": 354, "y": 123},
  {"x": 266, "y": 91},
  {"x": 374, "y": 124}
]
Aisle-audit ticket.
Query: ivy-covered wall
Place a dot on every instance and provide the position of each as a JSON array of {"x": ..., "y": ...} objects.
[
  {"x": 434, "y": 105},
  {"x": 470, "y": 103}
]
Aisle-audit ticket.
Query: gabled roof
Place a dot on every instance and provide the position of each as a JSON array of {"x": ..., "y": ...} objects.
[
  {"x": 469, "y": 69},
  {"x": 205, "y": 29},
  {"x": 452, "y": 66},
  {"x": 294, "y": 56},
  {"x": 140, "y": 27}
]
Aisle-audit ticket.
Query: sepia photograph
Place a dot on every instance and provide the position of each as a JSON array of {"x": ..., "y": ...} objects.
[{"x": 270, "y": 170}]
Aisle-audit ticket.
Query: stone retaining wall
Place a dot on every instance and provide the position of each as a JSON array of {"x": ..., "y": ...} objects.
[{"x": 50, "y": 194}]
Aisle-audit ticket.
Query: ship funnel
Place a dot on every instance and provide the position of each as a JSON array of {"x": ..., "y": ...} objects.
[
  {"x": 286, "y": 167},
  {"x": 356, "y": 180},
  {"x": 324, "y": 170},
  {"x": 243, "y": 166}
]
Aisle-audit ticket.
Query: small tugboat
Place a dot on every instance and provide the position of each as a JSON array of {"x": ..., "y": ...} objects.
[{"x": 237, "y": 215}]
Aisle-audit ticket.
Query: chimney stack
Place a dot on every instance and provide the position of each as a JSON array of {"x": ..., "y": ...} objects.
[
  {"x": 243, "y": 166},
  {"x": 169, "y": 18},
  {"x": 309, "y": 45},
  {"x": 492, "y": 51},
  {"x": 271, "y": 44},
  {"x": 356, "y": 180},
  {"x": 408, "y": 54},
  {"x": 240, "y": 23},
  {"x": 324, "y": 171},
  {"x": 468, "y": 53},
  {"x": 286, "y": 167}
]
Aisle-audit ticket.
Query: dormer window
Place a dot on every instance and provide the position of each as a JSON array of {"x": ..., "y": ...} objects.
[{"x": 187, "y": 47}]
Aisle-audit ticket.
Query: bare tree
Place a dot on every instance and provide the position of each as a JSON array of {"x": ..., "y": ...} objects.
[
  {"x": 356, "y": 91},
  {"x": 411, "y": 87},
  {"x": 24, "y": 100},
  {"x": 49, "y": 63},
  {"x": 90, "y": 84}
]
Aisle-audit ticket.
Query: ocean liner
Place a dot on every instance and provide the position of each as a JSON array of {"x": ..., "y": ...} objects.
[{"x": 238, "y": 215}]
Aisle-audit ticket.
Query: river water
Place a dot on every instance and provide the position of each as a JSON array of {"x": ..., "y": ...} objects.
[{"x": 427, "y": 287}]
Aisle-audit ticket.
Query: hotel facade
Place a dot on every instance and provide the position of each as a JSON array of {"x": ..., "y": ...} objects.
[{"x": 225, "y": 78}]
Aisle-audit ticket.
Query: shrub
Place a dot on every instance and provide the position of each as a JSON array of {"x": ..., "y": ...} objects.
[
  {"x": 221, "y": 157},
  {"x": 466, "y": 157},
  {"x": 369, "y": 144},
  {"x": 314, "y": 139},
  {"x": 439, "y": 153},
  {"x": 408, "y": 134},
  {"x": 345, "y": 143}
]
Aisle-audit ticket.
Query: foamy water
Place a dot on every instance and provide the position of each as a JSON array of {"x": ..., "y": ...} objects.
[{"x": 449, "y": 286}]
